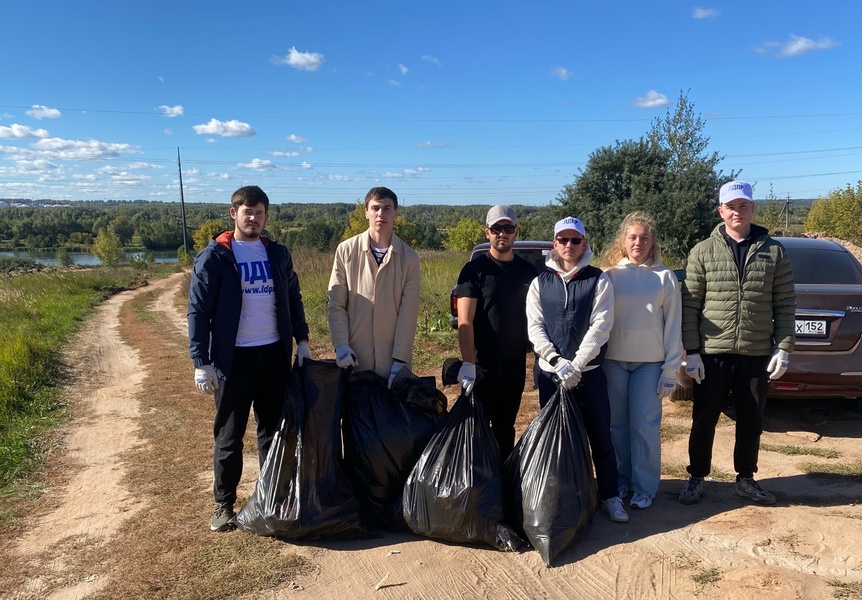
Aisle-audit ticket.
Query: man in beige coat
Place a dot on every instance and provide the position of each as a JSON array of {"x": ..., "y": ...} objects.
[{"x": 374, "y": 293}]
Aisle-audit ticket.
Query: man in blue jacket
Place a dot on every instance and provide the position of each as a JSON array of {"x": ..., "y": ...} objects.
[{"x": 244, "y": 311}]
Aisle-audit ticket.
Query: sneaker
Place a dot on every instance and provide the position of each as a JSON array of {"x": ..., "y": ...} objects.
[
  {"x": 692, "y": 491},
  {"x": 223, "y": 518},
  {"x": 640, "y": 501},
  {"x": 614, "y": 508},
  {"x": 748, "y": 488}
]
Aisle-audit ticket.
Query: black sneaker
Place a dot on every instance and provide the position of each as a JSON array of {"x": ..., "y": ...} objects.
[
  {"x": 748, "y": 488},
  {"x": 223, "y": 518},
  {"x": 692, "y": 491}
]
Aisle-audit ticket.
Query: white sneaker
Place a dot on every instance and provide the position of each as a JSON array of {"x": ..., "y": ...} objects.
[
  {"x": 614, "y": 508},
  {"x": 640, "y": 501}
]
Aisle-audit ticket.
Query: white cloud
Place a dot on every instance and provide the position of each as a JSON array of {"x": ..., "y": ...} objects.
[
  {"x": 403, "y": 69},
  {"x": 391, "y": 175},
  {"x": 306, "y": 166},
  {"x": 562, "y": 73},
  {"x": 146, "y": 165},
  {"x": 37, "y": 166},
  {"x": 16, "y": 131},
  {"x": 394, "y": 83},
  {"x": 433, "y": 145},
  {"x": 416, "y": 171},
  {"x": 77, "y": 150},
  {"x": 220, "y": 176},
  {"x": 232, "y": 128},
  {"x": 344, "y": 178},
  {"x": 295, "y": 138},
  {"x": 292, "y": 153},
  {"x": 652, "y": 99},
  {"x": 309, "y": 149},
  {"x": 302, "y": 61},
  {"x": 703, "y": 13},
  {"x": 162, "y": 79},
  {"x": 258, "y": 164},
  {"x": 796, "y": 46},
  {"x": 40, "y": 112},
  {"x": 171, "y": 111},
  {"x": 431, "y": 59}
]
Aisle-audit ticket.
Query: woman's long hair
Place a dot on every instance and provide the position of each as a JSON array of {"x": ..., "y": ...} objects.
[{"x": 616, "y": 250}]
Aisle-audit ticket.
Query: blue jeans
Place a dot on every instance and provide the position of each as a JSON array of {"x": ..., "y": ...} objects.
[{"x": 636, "y": 423}]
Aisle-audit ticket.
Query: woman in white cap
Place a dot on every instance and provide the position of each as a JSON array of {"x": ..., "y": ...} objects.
[{"x": 570, "y": 312}]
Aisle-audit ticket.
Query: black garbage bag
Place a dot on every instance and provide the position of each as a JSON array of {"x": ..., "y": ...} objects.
[
  {"x": 550, "y": 473},
  {"x": 455, "y": 491},
  {"x": 303, "y": 491},
  {"x": 385, "y": 432}
]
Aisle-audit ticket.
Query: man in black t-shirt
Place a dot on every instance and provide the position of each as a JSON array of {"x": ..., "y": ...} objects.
[{"x": 492, "y": 325}]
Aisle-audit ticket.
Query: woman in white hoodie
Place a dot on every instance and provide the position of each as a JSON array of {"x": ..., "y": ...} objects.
[{"x": 644, "y": 353}]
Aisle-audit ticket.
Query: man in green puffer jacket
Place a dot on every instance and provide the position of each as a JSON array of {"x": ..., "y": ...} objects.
[{"x": 738, "y": 329}]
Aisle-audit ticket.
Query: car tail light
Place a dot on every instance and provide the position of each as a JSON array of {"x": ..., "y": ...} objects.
[{"x": 453, "y": 305}]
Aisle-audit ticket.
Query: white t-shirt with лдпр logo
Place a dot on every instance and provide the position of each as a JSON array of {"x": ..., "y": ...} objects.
[{"x": 258, "y": 324}]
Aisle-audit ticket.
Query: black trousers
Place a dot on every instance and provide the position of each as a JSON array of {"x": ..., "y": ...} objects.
[
  {"x": 500, "y": 392},
  {"x": 730, "y": 378},
  {"x": 592, "y": 397},
  {"x": 258, "y": 378}
]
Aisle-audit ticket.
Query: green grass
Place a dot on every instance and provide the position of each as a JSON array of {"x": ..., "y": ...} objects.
[
  {"x": 705, "y": 576},
  {"x": 790, "y": 450},
  {"x": 40, "y": 312}
]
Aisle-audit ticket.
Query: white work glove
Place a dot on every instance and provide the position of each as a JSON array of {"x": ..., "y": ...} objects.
[
  {"x": 345, "y": 357},
  {"x": 302, "y": 352},
  {"x": 206, "y": 379},
  {"x": 694, "y": 368},
  {"x": 393, "y": 371},
  {"x": 778, "y": 364},
  {"x": 467, "y": 377},
  {"x": 665, "y": 385},
  {"x": 568, "y": 373}
]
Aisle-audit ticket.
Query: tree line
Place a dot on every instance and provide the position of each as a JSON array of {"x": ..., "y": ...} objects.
[{"x": 669, "y": 172}]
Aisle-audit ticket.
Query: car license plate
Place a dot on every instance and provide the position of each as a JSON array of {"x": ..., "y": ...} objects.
[{"x": 811, "y": 327}]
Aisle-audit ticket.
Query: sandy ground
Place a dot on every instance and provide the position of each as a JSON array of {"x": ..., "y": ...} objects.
[{"x": 721, "y": 548}]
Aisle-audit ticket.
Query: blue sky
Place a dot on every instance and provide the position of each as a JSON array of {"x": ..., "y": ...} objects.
[{"x": 470, "y": 102}]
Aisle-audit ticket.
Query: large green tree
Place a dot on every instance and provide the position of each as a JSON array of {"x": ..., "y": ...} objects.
[
  {"x": 839, "y": 214},
  {"x": 669, "y": 174},
  {"x": 108, "y": 248},
  {"x": 465, "y": 234}
]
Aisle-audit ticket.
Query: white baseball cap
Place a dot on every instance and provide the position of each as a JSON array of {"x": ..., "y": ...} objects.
[
  {"x": 570, "y": 224},
  {"x": 735, "y": 190}
]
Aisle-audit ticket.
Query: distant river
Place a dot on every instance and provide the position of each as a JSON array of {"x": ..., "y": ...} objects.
[{"x": 85, "y": 259}]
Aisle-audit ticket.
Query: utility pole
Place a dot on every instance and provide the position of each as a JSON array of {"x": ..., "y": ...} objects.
[
  {"x": 787, "y": 213},
  {"x": 182, "y": 202}
]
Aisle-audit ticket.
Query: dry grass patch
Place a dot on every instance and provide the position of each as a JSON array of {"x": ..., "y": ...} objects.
[
  {"x": 844, "y": 472},
  {"x": 671, "y": 432},
  {"x": 791, "y": 450}
]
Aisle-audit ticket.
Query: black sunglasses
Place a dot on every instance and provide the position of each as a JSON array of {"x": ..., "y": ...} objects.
[
  {"x": 498, "y": 229},
  {"x": 574, "y": 240}
]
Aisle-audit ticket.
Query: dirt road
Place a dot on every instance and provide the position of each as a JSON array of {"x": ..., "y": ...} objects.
[{"x": 806, "y": 546}]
